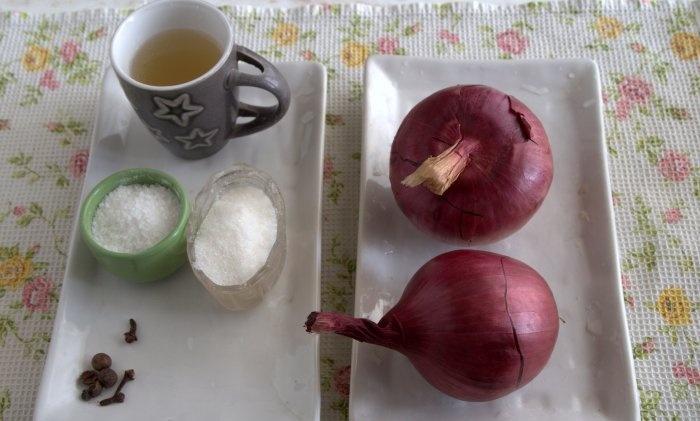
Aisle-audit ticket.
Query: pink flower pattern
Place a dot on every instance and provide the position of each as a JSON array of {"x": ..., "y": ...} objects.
[
  {"x": 635, "y": 90},
  {"x": 649, "y": 345},
  {"x": 414, "y": 29},
  {"x": 328, "y": 168},
  {"x": 48, "y": 80},
  {"x": 387, "y": 45},
  {"x": 341, "y": 381},
  {"x": 626, "y": 287},
  {"x": 511, "y": 41},
  {"x": 622, "y": 109},
  {"x": 673, "y": 216},
  {"x": 626, "y": 283},
  {"x": 448, "y": 36},
  {"x": 54, "y": 127},
  {"x": 638, "y": 48},
  {"x": 675, "y": 166},
  {"x": 78, "y": 163},
  {"x": 69, "y": 51},
  {"x": 680, "y": 113},
  {"x": 36, "y": 295},
  {"x": 682, "y": 371},
  {"x": 19, "y": 210}
]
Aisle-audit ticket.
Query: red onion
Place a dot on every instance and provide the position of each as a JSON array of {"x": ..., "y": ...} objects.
[
  {"x": 483, "y": 160},
  {"x": 475, "y": 324}
]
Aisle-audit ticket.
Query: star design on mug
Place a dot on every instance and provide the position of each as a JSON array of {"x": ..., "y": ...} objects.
[
  {"x": 179, "y": 110},
  {"x": 198, "y": 138},
  {"x": 159, "y": 134}
]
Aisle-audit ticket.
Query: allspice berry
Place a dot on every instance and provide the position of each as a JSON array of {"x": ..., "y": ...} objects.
[
  {"x": 94, "y": 389},
  {"x": 88, "y": 377},
  {"x": 101, "y": 361},
  {"x": 107, "y": 377}
]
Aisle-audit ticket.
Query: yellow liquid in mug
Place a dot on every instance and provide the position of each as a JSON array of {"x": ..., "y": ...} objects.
[{"x": 175, "y": 56}]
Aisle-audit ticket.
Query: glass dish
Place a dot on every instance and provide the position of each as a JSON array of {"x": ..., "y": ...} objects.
[{"x": 251, "y": 292}]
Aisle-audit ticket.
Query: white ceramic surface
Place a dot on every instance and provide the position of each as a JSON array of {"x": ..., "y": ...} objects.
[
  {"x": 570, "y": 241},
  {"x": 194, "y": 360}
]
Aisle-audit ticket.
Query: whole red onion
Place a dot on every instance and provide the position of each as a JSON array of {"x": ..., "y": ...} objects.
[
  {"x": 476, "y": 325},
  {"x": 483, "y": 160}
]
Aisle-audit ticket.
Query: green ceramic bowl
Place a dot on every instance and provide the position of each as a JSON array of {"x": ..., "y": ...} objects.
[{"x": 154, "y": 263}]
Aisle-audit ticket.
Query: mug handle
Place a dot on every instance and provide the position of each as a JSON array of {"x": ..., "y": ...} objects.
[{"x": 270, "y": 80}]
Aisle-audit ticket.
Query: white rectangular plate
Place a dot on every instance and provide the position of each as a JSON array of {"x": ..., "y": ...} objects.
[
  {"x": 570, "y": 241},
  {"x": 194, "y": 360}
]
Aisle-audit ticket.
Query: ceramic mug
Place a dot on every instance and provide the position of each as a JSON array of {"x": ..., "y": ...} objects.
[{"x": 196, "y": 118}]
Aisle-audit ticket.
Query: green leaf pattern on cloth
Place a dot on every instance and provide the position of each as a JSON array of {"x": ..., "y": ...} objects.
[{"x": 648, "y": 52}]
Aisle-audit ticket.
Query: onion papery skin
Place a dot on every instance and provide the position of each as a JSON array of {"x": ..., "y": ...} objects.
[
  {"x": 507, "y": 156},
  {"x": 476, "y": 325}
]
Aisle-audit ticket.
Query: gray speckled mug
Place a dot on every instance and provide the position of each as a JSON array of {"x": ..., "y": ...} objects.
[{"x": 195, "y": 119}]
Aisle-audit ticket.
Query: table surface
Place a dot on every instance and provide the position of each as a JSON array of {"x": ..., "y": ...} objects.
[
  {"x": 72, "y": 5},
  {"x": 648, "y": 53}
]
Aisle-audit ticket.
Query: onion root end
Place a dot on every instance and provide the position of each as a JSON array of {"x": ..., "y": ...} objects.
[{"x": 438, "y": 173}]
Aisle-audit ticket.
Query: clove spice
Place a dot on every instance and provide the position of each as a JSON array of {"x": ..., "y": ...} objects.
[
  {"x": 118, "y": 396},
  {"x": 130, "y": 336}
]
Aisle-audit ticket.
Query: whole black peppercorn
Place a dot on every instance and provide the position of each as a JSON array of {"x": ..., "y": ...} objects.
[
  {"x": 101, "y": 360},
  {"x": 107, "y": 377}
]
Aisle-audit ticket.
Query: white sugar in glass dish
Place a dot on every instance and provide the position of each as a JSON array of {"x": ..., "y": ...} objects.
[{"x": 236, "y": 238}]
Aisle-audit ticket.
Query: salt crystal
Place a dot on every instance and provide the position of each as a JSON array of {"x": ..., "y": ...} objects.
[
  {"x": 135, "y": 217},
  {"x": 236, "y": 236}
]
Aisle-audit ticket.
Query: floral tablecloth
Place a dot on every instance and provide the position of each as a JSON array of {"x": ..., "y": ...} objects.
[{"x": 649, "y": 57}]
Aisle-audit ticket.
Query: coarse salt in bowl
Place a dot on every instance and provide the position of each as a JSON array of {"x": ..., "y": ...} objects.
[
  {"x": 236, "y": 237},
  {"x": 134, "y": 221}
]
